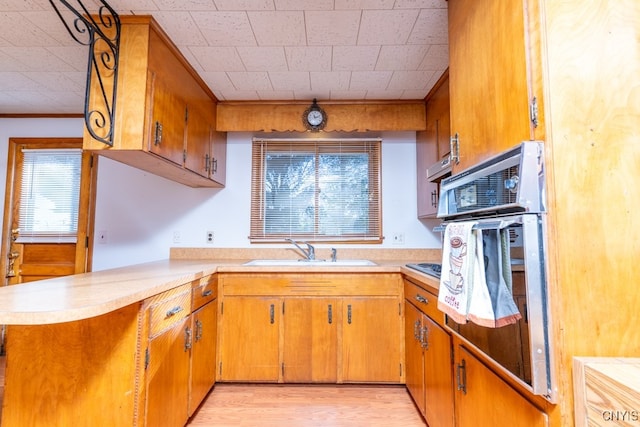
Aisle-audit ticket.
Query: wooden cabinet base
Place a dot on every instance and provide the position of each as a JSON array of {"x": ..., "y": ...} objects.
[{"x": 69, "y": 378}]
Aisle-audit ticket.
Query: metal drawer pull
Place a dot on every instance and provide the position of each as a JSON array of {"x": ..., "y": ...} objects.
[
  {"x": 349, "y": 313},
  {"x": 175, "y": 310},
  {"x": 421, "y": 299},
  {"x": 330, "y": 314},
  {"x": 207, "y": 293},
  {"x": 272, "y": 314}
]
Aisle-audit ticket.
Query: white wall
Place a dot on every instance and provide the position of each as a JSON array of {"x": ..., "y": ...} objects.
[{"x": 141, "y": 215}]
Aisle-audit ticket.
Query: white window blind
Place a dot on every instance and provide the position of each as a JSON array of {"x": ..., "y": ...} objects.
[
  {"x": 316, "y": 190},
  {"x": 49, "y": 197}
]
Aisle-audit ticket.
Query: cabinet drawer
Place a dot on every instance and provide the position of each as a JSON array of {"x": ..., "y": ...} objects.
[
  {"x": 169, "y": 308},
  {"x": 204, "y": 290},
  {"x": 307, "y": 284},
  {"x": 424, "y": 300}
]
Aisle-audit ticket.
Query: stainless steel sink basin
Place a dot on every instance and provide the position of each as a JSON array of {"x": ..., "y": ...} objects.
[{"x": 307, "y": 263}]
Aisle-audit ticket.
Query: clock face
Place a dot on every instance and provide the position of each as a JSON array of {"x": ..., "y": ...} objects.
[{"x": 314, "y": 117}]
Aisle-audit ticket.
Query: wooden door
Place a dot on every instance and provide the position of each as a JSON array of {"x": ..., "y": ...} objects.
[
  {"x": 372, "y": 339},
  {"x": 414, "y": 357},
  {"x": 168, "y": 122},
  {"x": 438, "y": 377},
  {"x": 310, "y": 340},
  {"x": 219, "y": 157},
  {"x": 249, "y": 339},
  {"x": 168, "y": 377},
  {"x": 198, "y": 143},
  {"x": 484, "y": 400},
  {"x": 203, "y": 353},
  {"x": 30, "y": 253},
  {"x": 489, "y": 78}
]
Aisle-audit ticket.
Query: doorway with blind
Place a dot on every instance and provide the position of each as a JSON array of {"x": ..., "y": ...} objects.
[{"x": 48, "y": 210}]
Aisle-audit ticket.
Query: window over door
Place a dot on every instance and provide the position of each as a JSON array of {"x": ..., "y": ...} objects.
[{"x": 317, "y": 190}]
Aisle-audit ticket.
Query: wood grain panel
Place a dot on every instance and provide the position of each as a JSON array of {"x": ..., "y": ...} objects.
[
  {"x": 60, "y": 385},
  {"x": 311, "y": 284},
  {"x": 310, "y": 351},
  {"x": 287, "y": 116},
  {"x": 487, "y": 401}
]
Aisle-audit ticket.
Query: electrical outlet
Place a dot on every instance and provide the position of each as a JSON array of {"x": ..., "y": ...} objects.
[
  {"x": 210, "y": 237},
  {"x": 176, "y": 237},
  {"x": 397, "y": 239}
]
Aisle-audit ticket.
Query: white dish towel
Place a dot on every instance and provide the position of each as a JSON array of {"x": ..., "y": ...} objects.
[
  {"x": 475, "y": 282},
  {"x": 456, "y": 277}
]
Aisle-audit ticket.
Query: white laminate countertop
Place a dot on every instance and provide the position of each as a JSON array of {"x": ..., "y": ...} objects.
[{"x": 87, "y": 295}]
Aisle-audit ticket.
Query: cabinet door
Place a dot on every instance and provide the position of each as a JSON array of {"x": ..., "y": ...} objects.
[
  {"x": 482, "y": 395},
  {"x": 414, "y": 356},
  {"x": 198, "y": 141},
  {"x": 489, "y": 82},
  {"x": 168, "y": 376},
  {"x": 426, "y": 155},
  {"x": 310, "y": 339},
  {"x": 438, "y": 378},
  {"x": 249, "y": 339},
  {"x": 372, "y": 339},
  {"x": 203, "y": 353},
  {"x": 168, "y": 121},
  {"x": 218, "y": 157}
]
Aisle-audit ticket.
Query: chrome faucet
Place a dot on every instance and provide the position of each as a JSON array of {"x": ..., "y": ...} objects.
[{"x": 309, "y": 253}]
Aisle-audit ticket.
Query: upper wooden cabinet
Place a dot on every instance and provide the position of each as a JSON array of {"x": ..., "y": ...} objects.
[
  {"x": 490, "y": 78},
  {"x": 432, "y": 145},
  {"x": 165, "y": 115}
]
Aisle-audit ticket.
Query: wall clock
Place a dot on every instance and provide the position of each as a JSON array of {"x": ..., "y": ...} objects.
[{"x": 314, "y": 117}]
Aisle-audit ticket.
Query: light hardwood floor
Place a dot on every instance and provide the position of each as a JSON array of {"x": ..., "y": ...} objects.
[
  {"x": 301, "y": 406},
  {"x": 308, "y": 405}
]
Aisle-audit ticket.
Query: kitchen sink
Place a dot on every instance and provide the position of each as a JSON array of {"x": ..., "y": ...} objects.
[{"x": 309, "y": 263}]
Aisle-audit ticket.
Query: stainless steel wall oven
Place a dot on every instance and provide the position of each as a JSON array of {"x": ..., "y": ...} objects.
[{"x": 506, "y": 193}]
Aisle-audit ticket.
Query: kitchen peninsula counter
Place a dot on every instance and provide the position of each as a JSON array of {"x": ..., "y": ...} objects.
[
  {"x": 88, "y": 295},
  {"x": 80, "y": 346}
]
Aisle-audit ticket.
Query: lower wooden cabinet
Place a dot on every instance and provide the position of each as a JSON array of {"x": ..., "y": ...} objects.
[
  {"x": 429, "y": 362},
  {"x": 323, "y": 328},
  {"x": 484, "y": 399},
  {"x": 203, "y": 354},
  {"x": 168, "y": 376},
  {"x": 248, "y": 344},
  {"x": 371, "y": 339},
  {"x": 310, "y": 339},
  {"x": 180, "y": 352}
]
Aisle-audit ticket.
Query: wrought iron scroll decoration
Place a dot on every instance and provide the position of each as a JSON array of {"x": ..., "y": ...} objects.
[{"x": 101, "y": 33}]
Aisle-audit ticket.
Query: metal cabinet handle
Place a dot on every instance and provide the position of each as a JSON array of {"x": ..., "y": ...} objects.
[
  {"x": 421, "y": 299},
  {"x": 198, "y": 330},
  {"x": 175, "y": 310},
  {"x": 206, "y": 162},
  {"x": 214, "y": 165},
  {"x": 434, "y": 198},
  {"x": 424, "y": 337},
  {"x": 272, "y": 313},
  {"x": 461, "y": 376},
  {"x": 187, "y": 338},
  {"x": 416, "y": 330},
  {"x": 349, "y": 314},
  {"x": 207, "y": 293},
  {"x": 158, "y": 134},
  {"x": 330, "y": 314}
]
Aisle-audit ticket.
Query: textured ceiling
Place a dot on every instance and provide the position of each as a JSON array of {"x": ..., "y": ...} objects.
[{"x": 243, "y": 49}]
